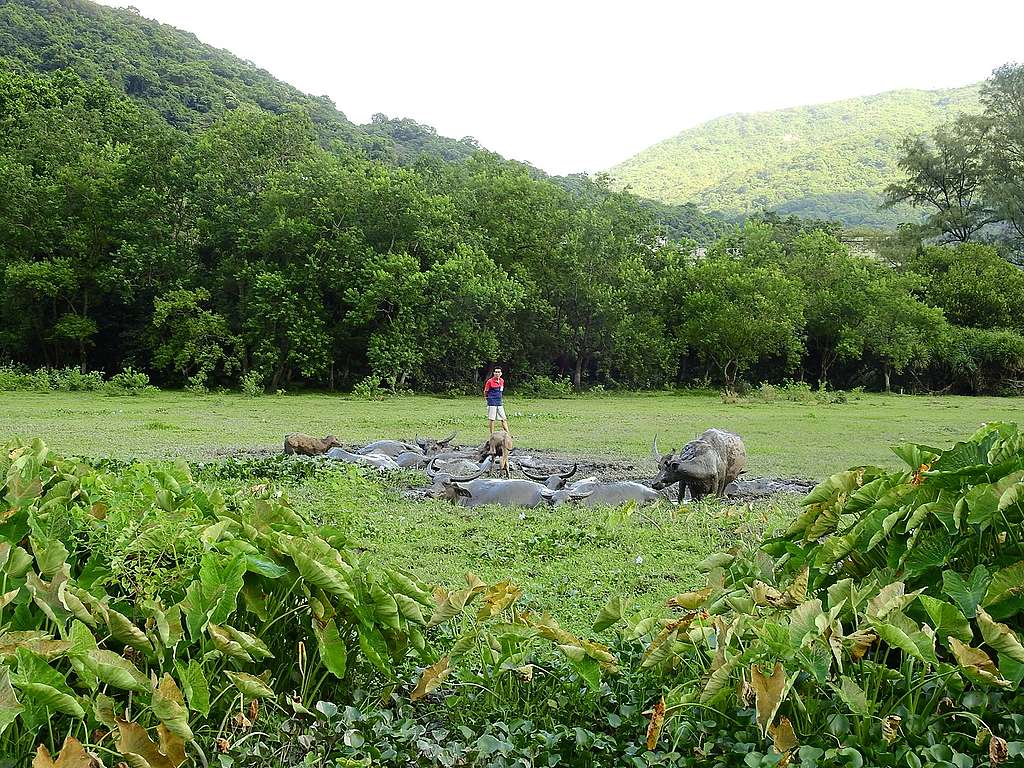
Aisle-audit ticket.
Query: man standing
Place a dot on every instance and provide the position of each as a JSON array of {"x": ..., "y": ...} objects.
[{"x": 494, "y": 388}]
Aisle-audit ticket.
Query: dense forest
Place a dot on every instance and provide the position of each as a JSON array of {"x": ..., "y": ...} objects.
[
  {"x": 828, "y": 161},
  {"x": 269, "y": 236}
]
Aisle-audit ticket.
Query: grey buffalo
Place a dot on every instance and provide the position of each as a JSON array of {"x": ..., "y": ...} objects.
[
  {"x": 378, "y": 461},
  {"x": 594, "y": 493},
  {"x": 705, "y": 465},
  {"x": 509, "y": 493},
  {"x": 306, "y": 445},
  {"x": 390, "y": 448},
  {"x": 555, "y": 481},
  {"x": 432, "y": 447},
  {"x": 410, "y": 459}
]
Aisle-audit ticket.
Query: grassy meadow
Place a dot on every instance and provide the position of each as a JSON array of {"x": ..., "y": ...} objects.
[
  {"x": 569, "y": 559},
  {"x": 783, "y": 438}
]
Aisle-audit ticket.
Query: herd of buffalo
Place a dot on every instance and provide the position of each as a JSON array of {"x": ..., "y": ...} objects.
[{"x": 704, "y": 466}]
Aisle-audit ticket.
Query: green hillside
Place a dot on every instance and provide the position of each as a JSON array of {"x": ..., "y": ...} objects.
[
  {"x": 826, "y": 160},
  {"x": 189, "y": 83}
]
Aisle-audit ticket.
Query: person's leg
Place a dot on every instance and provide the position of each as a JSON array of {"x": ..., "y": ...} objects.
[
  {"x": 504, "y": 425},
  {"x": 490, "y": 426}
]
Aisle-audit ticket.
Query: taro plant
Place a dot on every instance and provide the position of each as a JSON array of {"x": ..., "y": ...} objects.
[
  {"x": 138, "y": 609},
  {"x": 885, "y": 622}
]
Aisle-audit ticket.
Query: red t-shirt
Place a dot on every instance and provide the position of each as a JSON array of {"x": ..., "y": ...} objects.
[{"x": 493, "y": 390}]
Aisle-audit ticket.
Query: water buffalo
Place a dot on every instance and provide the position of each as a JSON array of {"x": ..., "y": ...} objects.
[
  {"x": 390, "y": 448},
  {"x": 305, "y": 445},
  {"x": 594, "y": 493},
  {"x": 499, "y": 444},
  {"x": 432, "y": 447},
  {"x": 410, "y": 459},
  {"x": 461, "y": 469},
  {"x": 705, "y": 465},
  {"x": 554, "y": 481},
  {"x": 510, "y": 493},
  {"x": 378, "y": 461}
]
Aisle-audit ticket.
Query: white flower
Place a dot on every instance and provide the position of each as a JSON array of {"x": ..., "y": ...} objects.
[
  {"x": 639, "y": 560},
  {"x": 522, "y": 515}
]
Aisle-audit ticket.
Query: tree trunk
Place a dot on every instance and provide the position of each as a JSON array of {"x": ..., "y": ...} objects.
[
  {"x": 577, "y": 374},
  {"x": 885, "y": 376}
]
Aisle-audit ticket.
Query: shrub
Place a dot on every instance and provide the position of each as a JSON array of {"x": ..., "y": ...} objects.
[
  {"x": 559, "y": 387},
  {"x": 369, "y": 389},
  {"x": 128, "y": 382},
  {"x": 252, "y": 384}
]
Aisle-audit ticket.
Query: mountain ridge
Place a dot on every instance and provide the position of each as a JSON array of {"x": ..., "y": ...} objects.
[{"x": 829, "y": 160}]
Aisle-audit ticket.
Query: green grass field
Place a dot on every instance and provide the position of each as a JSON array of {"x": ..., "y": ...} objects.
[
  {"x": 782, "y": 438},
  {"x": 568, "y": 560}
]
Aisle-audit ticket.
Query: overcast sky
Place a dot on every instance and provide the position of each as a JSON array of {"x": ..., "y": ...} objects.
[{"x": 580, "y": 85}]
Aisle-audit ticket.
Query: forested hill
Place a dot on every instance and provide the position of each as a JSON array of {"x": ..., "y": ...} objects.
[
  {"x": 827, "y": 161},
  {"x": 190, "y": 84},
  {"x": 186, "y": 81}
]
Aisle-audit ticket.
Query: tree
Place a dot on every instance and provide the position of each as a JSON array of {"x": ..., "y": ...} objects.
[
  {"x": 191, "y": 340},
  {"x": 947, "y": 176},
  {"x": 732, "y": 315},
  {"x": 900, "y": 330},
  {"x": 973, "y": 285},
  {"x": 837, "y": 297},
  {"x": 1003, "y": 97}
]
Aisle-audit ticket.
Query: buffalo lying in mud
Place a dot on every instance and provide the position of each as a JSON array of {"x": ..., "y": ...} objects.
[
  {"x": 705, "y": 465},
  {"x": 555, "y": 481},
  {"x": 509, "y": 493},
  {"x": 425, "y": 446},
  {"x": 378, "y": 461},
  {"x": 299, "y": 444},
  {"x": 592, "y": 492},
  {"x": 390, "y": 448}
]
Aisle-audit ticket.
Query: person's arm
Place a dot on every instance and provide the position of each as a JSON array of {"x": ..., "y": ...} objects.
[{"x": 487, "y": 387}]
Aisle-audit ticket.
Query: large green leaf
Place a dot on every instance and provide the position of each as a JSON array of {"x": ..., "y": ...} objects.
[
  {"x": 250, "y": 685},
  {"x": 900, "y": 631},
  {"x": 1004, "y": 593},
  {"x": 947, "y": 619},
  {"x": 196, "y": 689},
  {"x": 853, "y": 696},
  {"x": 52, "y": 699},
  {"x": 10, "y": 707},
  {"x": 966, "y": 593},
  {"x": 115, "y": 670},
  {"x": 983, "y": 503},
  {"x": 213, "y": 597},
  {"x": 611, "y": 613},
  {"x": 333, "y": 651},
  {"x": 325, "y": 575}
]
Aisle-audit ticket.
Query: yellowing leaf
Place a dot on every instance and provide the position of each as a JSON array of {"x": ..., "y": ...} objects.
[
  {"x": 496, "y": 599},
  {"x": 769, "y": 692},
  {"x": 139, "y": 751},
  {"x": 1000, "y": 636},
  {"x": 891, "y": 728},
  {"x": 72, "y": 755},
  {"x": 691, "y": 601},
  {"x": 977, "y": 664},
  {"x": 656, "y": 723},
  {"x": 783, "y": 736},
  {"x": 431, "y": 678},
  {"x": 168, "y": 704}
]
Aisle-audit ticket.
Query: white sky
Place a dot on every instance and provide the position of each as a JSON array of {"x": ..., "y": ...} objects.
[{"x": 578, "y": 85}]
